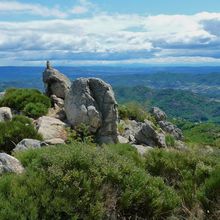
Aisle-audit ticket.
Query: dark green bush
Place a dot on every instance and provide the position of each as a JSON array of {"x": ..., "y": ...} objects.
[
  {"x": 12, "y": 132},
  {"x": 132, "y": 111},
  {"x": 79, "y": 181},
  {"x": 25, "y": 99}
]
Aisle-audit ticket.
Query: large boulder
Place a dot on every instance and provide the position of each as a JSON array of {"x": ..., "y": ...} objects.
[
  {"x": 51, "y": 128},
  {"x": 150, "y": 136},
  {"x": 91, "y": 101},
  {"x": 172, "y": 129},
  {"x": 26, "y": 144},
  {"x": 5, "y": 114},
  {"x": 55, "y": 82},
  {"x": 158, "y": 114},
  {"x": 9, "y": 164}
]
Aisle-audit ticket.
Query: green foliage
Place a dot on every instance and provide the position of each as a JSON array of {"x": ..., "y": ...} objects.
[
  {"x": 132, "y": 111},
  {"x": 78, "y": 181},
  {"x": 200, "y": 133},
  {"x": 30, "y": 101},
  {"x": 190, "y": 173},
  {"x": 81, "y": 134},
  {"x": 170, "y": 140},
  {"x": 12, "y": 132}
]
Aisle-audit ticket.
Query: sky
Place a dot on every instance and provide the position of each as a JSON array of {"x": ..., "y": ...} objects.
[{"x": 109, "y": 32}]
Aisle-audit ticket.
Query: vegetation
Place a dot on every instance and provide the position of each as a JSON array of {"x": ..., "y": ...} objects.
[
  {"x": 81, "y": 181},
  {"x": 132, "y": 111},
  {"x": 12, "y": 132},
  {"x": 29, "y": 101}
]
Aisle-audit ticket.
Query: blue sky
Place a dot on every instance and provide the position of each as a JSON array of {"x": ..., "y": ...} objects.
[{"x": 110, "y": 32}]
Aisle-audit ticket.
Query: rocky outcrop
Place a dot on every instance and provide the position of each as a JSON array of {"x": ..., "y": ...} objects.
[
  {"x": 171, "y": 129},
  {"x": 5, "y": 114},
  {"x": 141, "y": 149},
  {"x": 149, "y": 135},
  {"x": 26, "y": 144},
  {"x": 166, "y": 126},
  {"x": 55, "y": 82},
  {"x": 158, "y": 114},
  {"x": 9, "y": 164},
  {"x": 51, "y": 128},
  {"x": 91, "y": 101}
]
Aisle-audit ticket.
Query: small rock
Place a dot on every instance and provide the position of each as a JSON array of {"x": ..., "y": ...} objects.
[
  {"x": 5, "y": 114},
  {"x": 142, "y": 149},
  {"x": 158, "y": 114},
  {"x": 51, "y": 128},
  {"x": 10, "y": 164},
  {"x": 171, "y": 129},
  {"x": 55, "y": 141},
  {"x": 26, "y": 144},
  {"x": 122, "y": 140},
  {"x": 57, "y": 101}
]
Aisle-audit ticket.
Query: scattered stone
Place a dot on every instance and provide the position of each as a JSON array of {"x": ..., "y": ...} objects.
[
  {"x": 141, "y": 149},
  {"x": 51, "y": 128},
  {"x": 122, "y": 140},
  {"x": 10, "y": 164},
  {"x": 158, "y": 114},
  {"x": 55, "y": 141},
  {"x": 5, "y": 114},
  {"x": 181, "y": 146},
  {"x": 55, "y": 82},
  {"x": 149, "y": 135},
  {"x": 171, "y": 129},
  {"x": 91, "y": 101},
  {"x": 26, "y": 144}
]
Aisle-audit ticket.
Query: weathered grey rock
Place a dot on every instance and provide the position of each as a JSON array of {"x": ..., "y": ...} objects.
[
  {"x": 141, "y": 149},
  {"x": 5, "y": 114},
  {"x": 171, "y": 129},
  {"x": 51, "y": 128},
  {"x": 55, "y": 141},
  {"x": 91, "y": 101},
  {"x": 9, "y": 164},
  {"x": 158, "y": 114},
  {"x": 55, "y": 82},
  {"x": 149, "y": 135},
  {"x": 26, "y": 144},
  {"x": 57, "y": 101},
  {"x": 122, "y": 140}
]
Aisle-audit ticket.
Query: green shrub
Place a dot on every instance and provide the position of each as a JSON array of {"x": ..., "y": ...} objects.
[
  {"x": 186, "y": 172},
  {"x": 79, "y": 181},
  {"x": 12, "y": 132},
  {"x": 35, "y": 110},
  {"x": 132, "y": 111},
  {"x": 170, "y": 140},
  {"x": 25, "y": 99}
]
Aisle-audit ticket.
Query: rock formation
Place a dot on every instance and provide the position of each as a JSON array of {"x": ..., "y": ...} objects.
[
  {"x": 149, "y": 135},
  {"x": 55, "y": 82},
  {"x": 5, "y": 114},
  {"x": 166, "y": 126},
  {"x": 91, "y": 101},
  {"x": 9, "y": 164}
]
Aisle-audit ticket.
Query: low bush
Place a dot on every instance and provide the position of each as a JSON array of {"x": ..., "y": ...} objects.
[
  {"x": 30, "y": 101},
  {"x": 191, "y": 174},
  {"x": 132, "y": 111},
  {"x": 170, "y": 141},
  {"x": 79, "y": 181},
  {"x": 12, "y": 132}
]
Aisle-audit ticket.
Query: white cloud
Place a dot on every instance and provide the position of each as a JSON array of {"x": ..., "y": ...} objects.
[
  {"x": 35, "y": 9},
  {"x": 105, "y": 38},
  {"x": 83, "y": 7}
]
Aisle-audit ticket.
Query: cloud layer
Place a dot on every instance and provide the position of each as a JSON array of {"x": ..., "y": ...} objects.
[{"x": 108, "y": 38}]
